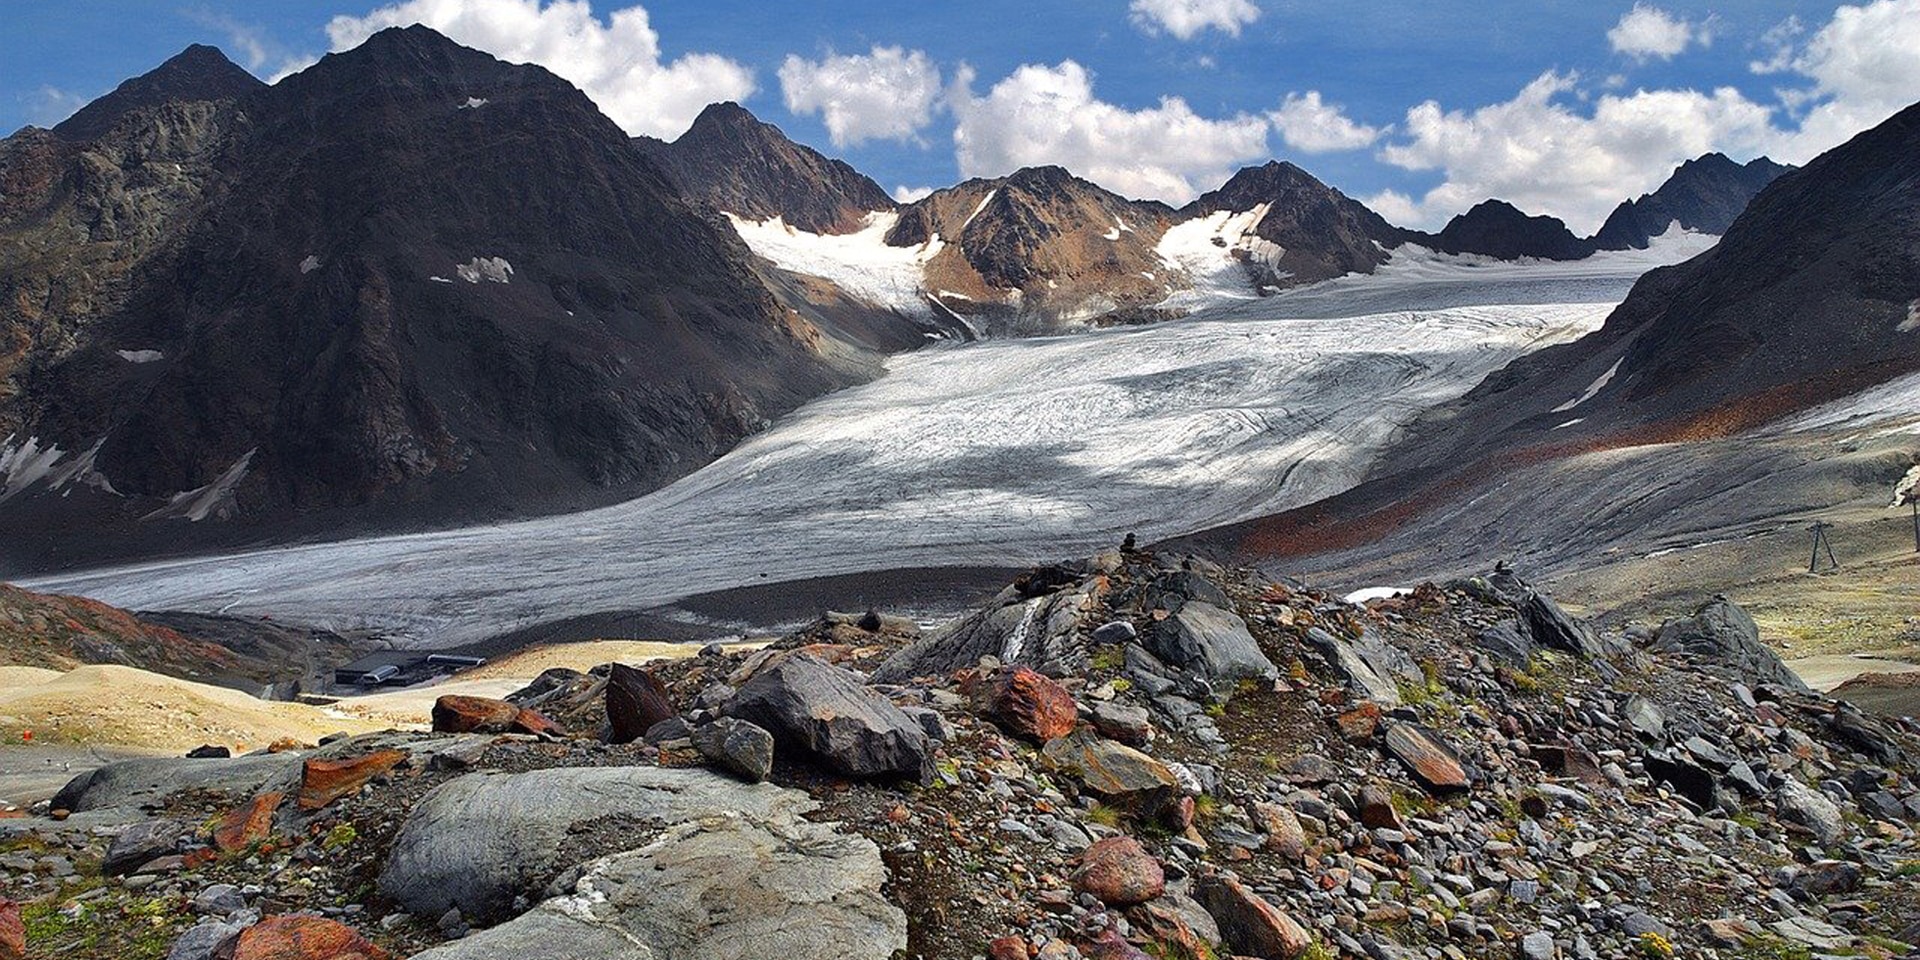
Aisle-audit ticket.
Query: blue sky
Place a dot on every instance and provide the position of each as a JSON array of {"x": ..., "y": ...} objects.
[{"x": 1562, "y": 107}]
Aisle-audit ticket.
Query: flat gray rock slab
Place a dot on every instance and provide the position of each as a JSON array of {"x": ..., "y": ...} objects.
[
  {"x": 721, "y": 888},
  {"x": 147, "y": 780},
  {"x": 482, "y": 840}
]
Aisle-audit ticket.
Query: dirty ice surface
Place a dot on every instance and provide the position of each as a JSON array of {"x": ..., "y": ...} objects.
[{"x": 1002, "y": 452}]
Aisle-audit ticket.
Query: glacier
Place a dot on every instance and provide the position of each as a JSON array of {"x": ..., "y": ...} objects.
[{"x": 1002, "y": 452}]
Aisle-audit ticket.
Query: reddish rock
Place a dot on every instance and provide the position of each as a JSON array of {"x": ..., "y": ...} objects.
[
  {"x": 1110, "y": 945},
  {"x": 1249, "y": 924},
  {"x": 1172, "y": 935},
  {"x": 1177, "y": 814},
  {"x": 324, "y": 781},
  {"x": 1428, "y": 757},
  {"x": 1568, "y": 761},
  {"x": 636, "y": 700},
  {"x": 1029, "y": 705},
  {"x": 1376, "y": 808},
  {"x": 13, "y": 932},
  {"x": 290, "y": 937},
  {"x": 535, "y": 722},
  {"x": 247, "y": 824},
  {"x": 1360, "y": 723},
  {"x": 1119, "y": 872},
  {"x": 1285, "y": 836},
  {"x": 458, "y": 714},
  {"x": 1008, "y": 948}
]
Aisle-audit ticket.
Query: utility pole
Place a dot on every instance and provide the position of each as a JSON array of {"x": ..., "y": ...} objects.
[{"x": 1820, "y": 542}]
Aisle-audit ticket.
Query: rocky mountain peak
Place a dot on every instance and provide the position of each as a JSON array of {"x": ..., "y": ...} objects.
[
  {"x": 199, "y": 72},
  {"x": 1704, "y": 194},
  {"x": 1496, "y": 228},
  {"x": 734, "y": 162},
  {"x": 1320, "y": 231}
]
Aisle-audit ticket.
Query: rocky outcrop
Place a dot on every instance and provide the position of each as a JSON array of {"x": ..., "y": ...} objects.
[
  {"x": 1724, "y": 640},
  {"x": 726, "y": 888},
  {"x": 1039, "y": 625},
  {"x": 734, "y": 162},
  {"x": 480, "y": 841}
]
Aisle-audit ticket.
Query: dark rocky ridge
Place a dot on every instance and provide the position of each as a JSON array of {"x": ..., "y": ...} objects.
[
  {"x": 308, "y": 300},
  {"x": 1705, "y": 194},
  {"x": 199, "y": 72},
  {"x": 741, "y": 165}
]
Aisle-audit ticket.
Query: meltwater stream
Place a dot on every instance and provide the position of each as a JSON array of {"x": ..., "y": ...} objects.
[{"x": 998, "y": 453}]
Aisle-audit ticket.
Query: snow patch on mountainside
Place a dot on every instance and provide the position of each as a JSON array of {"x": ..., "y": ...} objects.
[
  {"x": 213, "y": 500},
  {"x": 1211, "y": 252},
  {"x": 1599, "y": 384},
  {"x": 140, "y": 356},
  {"x": 26, "y": 463},
  {"x": 495, "y": 269},
  {"x": 861, "y": 263}
]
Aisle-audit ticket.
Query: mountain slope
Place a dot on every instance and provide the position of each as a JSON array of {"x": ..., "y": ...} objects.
[
  {"x": 1498, "y": 229},
  {"x": 1704, "y": 195},
  {"x": 739, "y": 165},
  {"x": 199, "y": 72},
  {"x": 422, "y": 285},
  {"x": 1812, "y": 295}
]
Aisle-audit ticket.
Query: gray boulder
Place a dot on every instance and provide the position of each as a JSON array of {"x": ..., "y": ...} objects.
[
  {"x": 150, "y": 780},
  {"x": 140, "y": 843},
  {"x": 813, "y": 707},
  {"x": 482, "y": 840},
  {"x": 724, "y": 888},
  {"x": 1724, "y": 640},
  {"x": 1371, "y": 672},
  {"x": 1801, "y": 804},
  {"x": 737, "y": 746},
  {"x": 1212, "y": 642}
]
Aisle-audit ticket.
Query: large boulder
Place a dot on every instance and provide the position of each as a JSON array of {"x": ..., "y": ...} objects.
[
  {"x": 722, "y": 888},
  {"x": 1211, "y": 641},
  {"x": 1367, "y": 669},
  {"x": 1114, "y": 772},
  {"x": 302, "y": 937},
  {"x": 150, "y": 780},
  {"x": 815, "y": 708},
  {"x": 1250, "y": 925},
  {"x": 1042, "y": 632},
  {"x": 482, "y": 840},
  {"x": 636, "y": 700},
  {"x": 1722, "y": 639},
  {"x": 1119, "y": 872},
  {"x": 736, "y": 746},
  {"x": 1028, "y": 704},
  {"x": 1429, "y": 757}
]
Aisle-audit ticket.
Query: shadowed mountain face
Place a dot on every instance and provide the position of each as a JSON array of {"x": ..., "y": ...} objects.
[
  {"x": 1812, "y": 295},
  {"x": 736, "y": 163},
  {"x": 410, "y": 284},
  {"x": 197, "y": 73},
  {"x": 1498, "y": 229},
  {"x": 1704, "y": 195},
  {"x": 1322, "y": 232}
]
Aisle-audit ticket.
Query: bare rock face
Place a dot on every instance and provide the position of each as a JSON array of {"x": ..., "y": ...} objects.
[
  {"x": 198, "y": 73},
  {"x": 735, "y": 163},
  {"x": 1037, "y": 627},
  {"x": 725, "y": 888},
  {"x": 1321, "y": 232}
]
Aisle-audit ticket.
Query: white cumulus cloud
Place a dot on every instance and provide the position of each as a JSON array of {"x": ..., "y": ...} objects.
[
  {"x": 888, "y": 94},
  {"x": 1541, "y": 154},
  {"x": 1185, "y": 19},
  {"x": 1647, "y": 32},
  {"x": 616, "y": 61},
  {"x": 1311, "y": 125},
  {"x": 1048, "y": 115},
  {"x": 906, "y": 194},
  {"x": 1864, "y": 65}
]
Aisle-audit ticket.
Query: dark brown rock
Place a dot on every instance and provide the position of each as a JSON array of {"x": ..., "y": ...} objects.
[{"x": 636, "y": 700}]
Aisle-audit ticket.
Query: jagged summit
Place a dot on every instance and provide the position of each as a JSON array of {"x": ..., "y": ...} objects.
[
  {"x": 199, "y": 72},
  {"x": 1705, "y": 195},
  {"x": 1322, "y": 232},
  {"x": 736, "y": 163}
]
